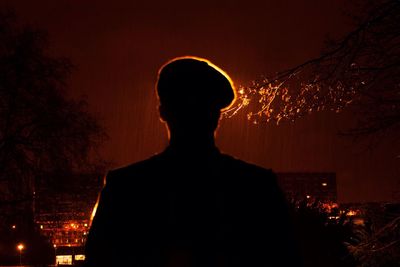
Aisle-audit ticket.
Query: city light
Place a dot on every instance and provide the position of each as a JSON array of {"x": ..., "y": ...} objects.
[
  {"x": 20, "y": 247},
  {"x": 352, "y": 213},
  {"x": 79, "y": 257},
  {"x": 64, "y": 260}
]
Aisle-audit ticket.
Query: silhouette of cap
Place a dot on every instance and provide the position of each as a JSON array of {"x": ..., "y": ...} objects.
[{"x": 192, "y": 83}]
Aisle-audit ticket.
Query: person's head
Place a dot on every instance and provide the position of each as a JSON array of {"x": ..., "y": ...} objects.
[{"x": 192, "y": 93}]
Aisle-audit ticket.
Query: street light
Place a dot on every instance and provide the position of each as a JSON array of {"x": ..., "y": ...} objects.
[
  {"x": 20, "y": 247},
  {"x": 55, "y": 252}
]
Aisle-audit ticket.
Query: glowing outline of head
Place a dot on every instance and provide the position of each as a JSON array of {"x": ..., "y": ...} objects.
[{"x": 211, "y": 65}]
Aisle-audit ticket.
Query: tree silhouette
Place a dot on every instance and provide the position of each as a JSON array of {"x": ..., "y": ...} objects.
[
  {"x": 378, "y": 239},
  {"x": 43, "y": 134},
  {"x": 362, "y": 69},
  {"x": 323, "y": 234}
]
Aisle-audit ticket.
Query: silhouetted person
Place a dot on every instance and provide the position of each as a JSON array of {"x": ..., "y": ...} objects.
[{"x": 191, "y": 205}]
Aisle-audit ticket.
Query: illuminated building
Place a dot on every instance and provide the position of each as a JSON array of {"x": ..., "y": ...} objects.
[
  {"x": 309, "y": 185},
  {"x": 64, "y": 216}
]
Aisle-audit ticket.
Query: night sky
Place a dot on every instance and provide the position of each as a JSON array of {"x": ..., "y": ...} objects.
[{"x": 118, "y": 46}]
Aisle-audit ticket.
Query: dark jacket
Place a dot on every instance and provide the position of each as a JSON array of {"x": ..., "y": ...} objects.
[{"x": 186, "y": 209}]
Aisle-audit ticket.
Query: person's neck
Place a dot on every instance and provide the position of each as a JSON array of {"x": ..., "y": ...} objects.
[{"x": 192, "y": 142}]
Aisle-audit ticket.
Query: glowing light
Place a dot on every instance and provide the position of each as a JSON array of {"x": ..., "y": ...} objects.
[
  {"x": 329, "y": 207},
  {"x": 98, "y": 199},
  {"x": 358, "y": 221},
  {"x": 41, "y": 226},
  {"x": 291, "y": 95},
  {"x": 324, "y": 184},
  {"x": 308, "y": 196},
  {"x": 14, "y": 226},
  {"x": 64, "y": 260},
  {"x": 79, "y": 257},
  {"x": 94, "y": 211},
  {"x": 20, "y": 247},
  {"x": 351, "y": 213}
]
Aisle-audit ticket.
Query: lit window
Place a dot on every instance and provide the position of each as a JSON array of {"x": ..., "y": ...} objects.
[
  {"x": 79, "y": 257},
  {"x": 64, "y": 259}
]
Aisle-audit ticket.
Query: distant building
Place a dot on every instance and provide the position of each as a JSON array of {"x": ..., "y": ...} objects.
[
  {"x": 309, "y": 185},
  {"x": 64, "y": 216}
]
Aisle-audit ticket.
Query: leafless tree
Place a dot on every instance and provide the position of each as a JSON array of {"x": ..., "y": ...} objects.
[{"x": 361, "y": 70}]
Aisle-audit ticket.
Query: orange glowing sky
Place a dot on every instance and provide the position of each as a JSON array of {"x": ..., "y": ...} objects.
[{"x": 118, "y": 46}]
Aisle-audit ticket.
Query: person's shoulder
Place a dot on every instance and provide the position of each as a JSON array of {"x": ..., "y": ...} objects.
[
  {"x": 253, "y": 180},
  {"x": 134, "y": 169},
  {"x": 249, "y": 169},
  {"x": 250, "y": 174}
]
